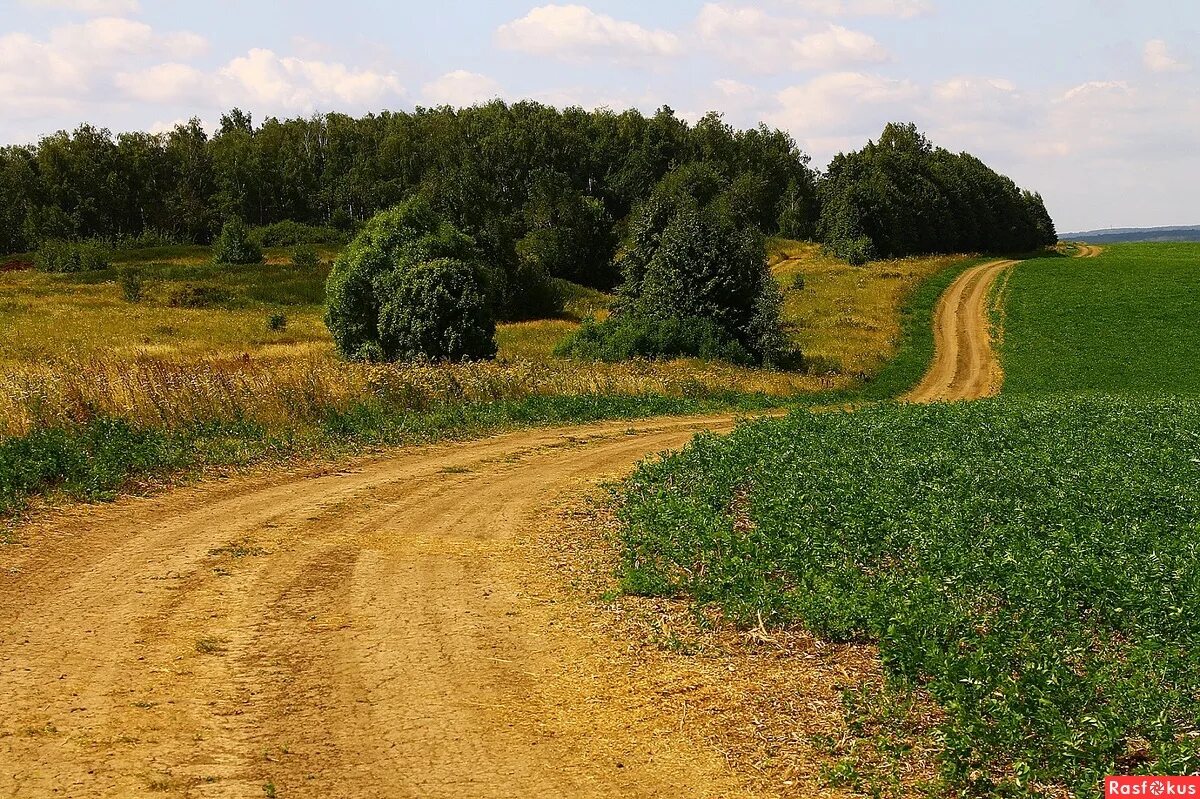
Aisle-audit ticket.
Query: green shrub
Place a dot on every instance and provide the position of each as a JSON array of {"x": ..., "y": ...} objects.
[
  {"x": 376, "y": 311},
  {"x": 856, "y": 250},
  {"x": 291, "y": 234},
  {"x": 304, "y": 256},
  {"x": 692, "y": 256},
  {"x": 71, "y": 256},
  {"x": 439, "y": 311},
  {"x": 277, "y": 322},
  {"x": 624, "y": 337},
  {"x": 131, "y": 284},
  {"x": 192, "y": 295},
  {"x": 531, "y": 293},
  {"x": 234, "y": 245}
]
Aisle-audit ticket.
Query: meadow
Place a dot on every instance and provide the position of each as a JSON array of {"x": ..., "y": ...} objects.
[
  {"x": 1124, "y": 322},
  {"x": 99, "y": 390}
]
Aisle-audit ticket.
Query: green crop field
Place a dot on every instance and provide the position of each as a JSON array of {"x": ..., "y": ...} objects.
[
  {"x": 1125, "y": 322},
  {"x": 1031, "y": 564},
  {"x": 1034, "y": 564}
]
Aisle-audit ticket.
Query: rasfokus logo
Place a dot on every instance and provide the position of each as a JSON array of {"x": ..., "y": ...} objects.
[{"x": 1152, "y": 786}]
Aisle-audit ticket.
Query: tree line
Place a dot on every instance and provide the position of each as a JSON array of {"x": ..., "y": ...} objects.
[
  {"x": 901, "y": 195},
  {"x": 543, "y": 192}
]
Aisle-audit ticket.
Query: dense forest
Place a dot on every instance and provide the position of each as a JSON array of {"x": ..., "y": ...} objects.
[{"x": 538, "y": 189}]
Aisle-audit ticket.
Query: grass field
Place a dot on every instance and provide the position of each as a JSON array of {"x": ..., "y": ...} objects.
[
  {"x": 1034, "y": 565},
  {"x": 1125, "y": 322},
  {"x": 86, "y": 373}
]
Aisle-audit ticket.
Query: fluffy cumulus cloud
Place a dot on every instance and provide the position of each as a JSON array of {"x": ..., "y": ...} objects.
[
  {"x": 89, "y": 6},
  {"x": 264, "y": 80},
  {"x": 576, "y": 33},
  {"x": 1157, "y": 57},
  {"x": 764, "y": 42},
  {"x": 843, "y": 106},
  {"x": 461, "y": 89},
  {"x": 67, "y": 67}
]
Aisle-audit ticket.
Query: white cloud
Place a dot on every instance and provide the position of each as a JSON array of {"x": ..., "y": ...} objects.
[
  {"x": 89, "y": 6},
  {"x": 461, "y": 89},
  {"x": 264, "y": 81},
  {"x": 69, "y": 67},
  {"x": 576, "y": 33},
  {"x": 104, "y": 40},
  {"x": 165, "y": 83},
  {"x": 900, "y": 9},
  {"x": 1096, "y": 88},
  {"x": 844, "y": 103},
  {"x": 767, "y": 43},
  {"x": 1157, "y": 57}
]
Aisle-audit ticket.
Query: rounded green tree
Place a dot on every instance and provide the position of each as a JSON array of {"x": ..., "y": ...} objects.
[{"x": 411, "y": 287}]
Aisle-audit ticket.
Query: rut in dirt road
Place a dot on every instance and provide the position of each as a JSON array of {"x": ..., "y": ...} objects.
[
  {"x": 377, "y": 632},
  {"x": 965, "y": 366}
]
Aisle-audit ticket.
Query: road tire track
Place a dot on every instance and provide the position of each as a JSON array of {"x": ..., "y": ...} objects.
[{"x": 371, "y": 632}]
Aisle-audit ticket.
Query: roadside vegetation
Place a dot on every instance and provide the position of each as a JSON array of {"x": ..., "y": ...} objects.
[{"x": 87, "y": 371}]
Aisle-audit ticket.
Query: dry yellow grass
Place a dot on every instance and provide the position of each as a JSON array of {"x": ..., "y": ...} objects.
[
  {"x": 73, "y": 348},
  {"x": 846, "y": 319}
]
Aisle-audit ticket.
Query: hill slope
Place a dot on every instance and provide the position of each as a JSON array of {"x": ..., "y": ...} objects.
[{"x": 1121, "y": 235}]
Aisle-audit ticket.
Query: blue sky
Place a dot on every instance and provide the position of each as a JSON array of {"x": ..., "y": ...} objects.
[{"x": 1096, "y": 103}]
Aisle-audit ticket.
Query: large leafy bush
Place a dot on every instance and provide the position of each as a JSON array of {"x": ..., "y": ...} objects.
[
  {"x": 696, "y": 259},
  {"x": 410, "y": 286}
]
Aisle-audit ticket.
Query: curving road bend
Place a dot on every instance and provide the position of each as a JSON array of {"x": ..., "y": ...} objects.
[{"x": 373, "y": 632}]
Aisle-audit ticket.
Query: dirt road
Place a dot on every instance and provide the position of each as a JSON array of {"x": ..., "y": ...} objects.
[
  {"x": 375, "y": 632},
  {"x": 965, "y": 366}
]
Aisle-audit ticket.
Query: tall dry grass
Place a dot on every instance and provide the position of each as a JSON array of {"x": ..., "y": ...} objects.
[{"x": 283, "y": 393}]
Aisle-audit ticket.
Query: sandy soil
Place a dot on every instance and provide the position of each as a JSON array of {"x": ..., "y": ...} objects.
[
  {"x": 372, "y": 632},
  {"x": 965, "y": 366}
]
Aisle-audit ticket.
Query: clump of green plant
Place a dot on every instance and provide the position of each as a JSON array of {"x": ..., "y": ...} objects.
[
  {"x": 411, "y": 287},
  {"x": 71, "y": 256},
  {"x": 694, "y": 254},
  {"x": 192, "y": 295},
  {"x": 305, "y": 256},
  {"x": 627, "y": 337},
  {"x": 291, "y": 234},
  {"x": 234, "y": 245},
  {"x": 1034, "y": 566},
  {"x": 277, "y": 322},
  {"x": 131, "y": 284}
]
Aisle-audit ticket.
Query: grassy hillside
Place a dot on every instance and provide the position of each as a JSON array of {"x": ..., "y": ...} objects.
[
  {"x": 1125, "y": 322},
  {"x": 98, "y": 388}
]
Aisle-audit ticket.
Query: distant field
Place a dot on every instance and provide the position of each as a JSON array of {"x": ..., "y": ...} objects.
[{"x": 1125, "y": 322}]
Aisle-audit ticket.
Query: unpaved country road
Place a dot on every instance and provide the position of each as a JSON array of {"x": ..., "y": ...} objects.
[
  {"x": 965, "y": 367},
  {"x": 375, "y": 632}
]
